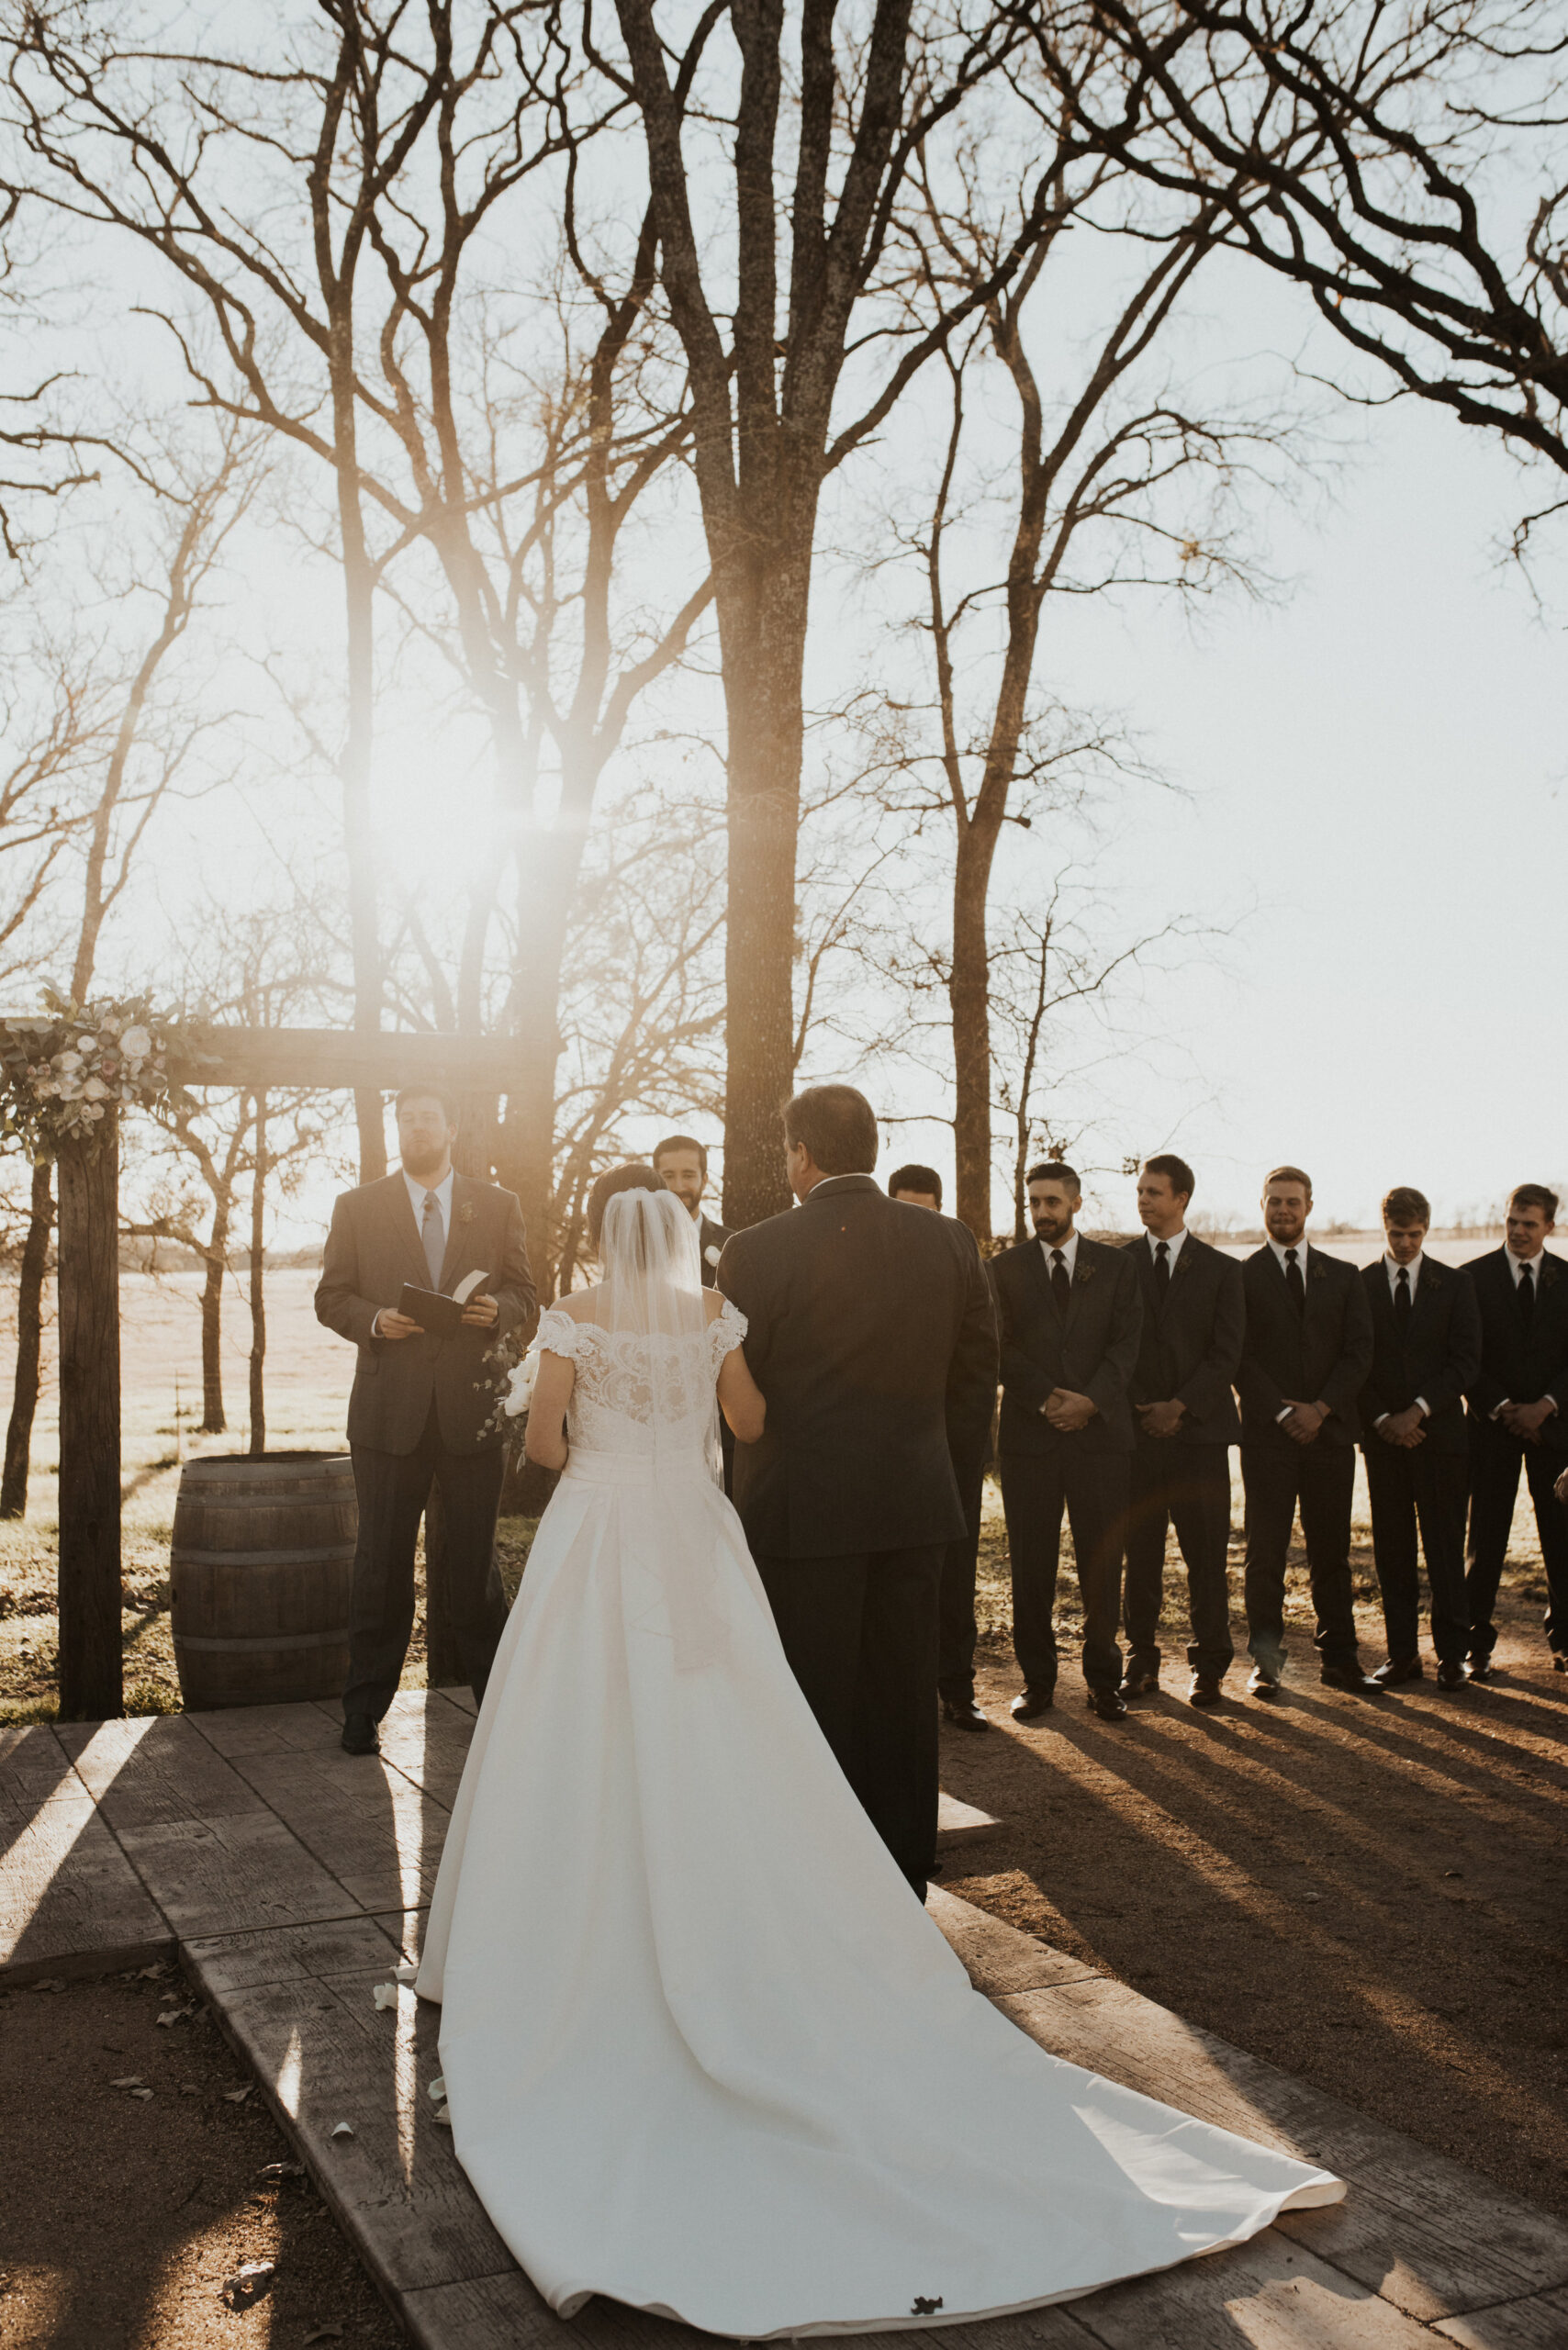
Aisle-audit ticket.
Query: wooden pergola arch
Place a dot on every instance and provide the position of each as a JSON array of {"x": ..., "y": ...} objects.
[{"x": 213, "y": 1058}]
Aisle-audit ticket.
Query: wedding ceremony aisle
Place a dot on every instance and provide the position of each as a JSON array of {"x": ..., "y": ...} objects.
[{"x": 289, "y": 1882}]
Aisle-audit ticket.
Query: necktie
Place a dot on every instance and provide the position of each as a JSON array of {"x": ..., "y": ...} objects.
[
  {"x": 1402, "y": 1301},
  {"x": 1295, "y": 1282},
  {"x": 1162, "y": 1267},
  {"x": 434, "y": 1238},
  {"x": 1526, "y": 1295},
  {"x": 1061, "y": 1287}
]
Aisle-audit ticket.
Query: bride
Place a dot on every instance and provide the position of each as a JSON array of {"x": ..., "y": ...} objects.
[{"x": 703, "y": 2052}]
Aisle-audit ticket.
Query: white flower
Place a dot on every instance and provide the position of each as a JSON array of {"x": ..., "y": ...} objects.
[
  {"x": 96, "y": 1090},
  {"x": 519, "y": 1385},
  {"x": 712, "y": 1254},
  {"x": 66, "y": 1062},
  {"x": 136, "y": 1044},
  {"x": 86, "y": 1044},
  {"x": 95, "y": 1109}
]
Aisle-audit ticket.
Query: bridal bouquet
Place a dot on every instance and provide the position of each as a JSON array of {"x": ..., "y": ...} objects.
[
  {"x": 60, "y": 1077},
  {"x": 519, "y": 1384}
]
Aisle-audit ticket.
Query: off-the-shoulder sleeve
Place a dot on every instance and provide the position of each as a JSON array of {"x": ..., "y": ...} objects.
[
  {"x": 559, "y": 1334},
  {"x": 725, "y": 1332}
]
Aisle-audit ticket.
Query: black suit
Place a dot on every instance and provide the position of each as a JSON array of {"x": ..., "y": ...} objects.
[
  {"x": 1189, "y": 1353},
  {"x": 1092, "y": 1349},
  {"x": 712, "y": 1238},
  {"x": 1518, "y": 1365},
  {"x": 417, "y": 1417},
  {"x": 1436, "y": 1357},
  {"x": 969, "y": 1418},
  {"x": 868, "y": 1320},
  {"x": 1320, "y": 1353}
]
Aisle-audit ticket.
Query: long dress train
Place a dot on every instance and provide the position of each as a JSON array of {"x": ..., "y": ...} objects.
[{"x": 703, "y": 2050}]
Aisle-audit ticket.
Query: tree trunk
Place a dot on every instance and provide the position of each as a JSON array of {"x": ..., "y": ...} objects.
[
  {"x": 258, "y": 1290},
  {"x": 91, "y": 1676},
  {"x": 213, "y": 1419},
  {"x": 30, "y": 1345},
  {"x": 359, "y": 839},
  {"x": 969, "y": 995},
  {"x": 762, "y": 625}
]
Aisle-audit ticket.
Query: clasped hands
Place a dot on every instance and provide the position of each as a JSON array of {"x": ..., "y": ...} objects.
[
  {"x": 1405, "y": 1428},
  {"x": 1526, "y": 1420},
  {"x": 1068, "y": 1411},
  {"x": 480, "y": 1313},
  {"x": 1302, "y": 1421}
]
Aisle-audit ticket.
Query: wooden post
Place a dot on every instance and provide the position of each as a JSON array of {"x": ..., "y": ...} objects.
[
  {"x": 92, "y": 1685},
  {"x": 258, "y": 1293}
]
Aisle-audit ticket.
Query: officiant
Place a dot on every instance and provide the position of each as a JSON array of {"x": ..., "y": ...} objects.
[{"x": 422, "y": 1400}]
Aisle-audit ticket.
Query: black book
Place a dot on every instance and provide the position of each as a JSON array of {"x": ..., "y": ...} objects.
[{"x": 438, "y": 1316}]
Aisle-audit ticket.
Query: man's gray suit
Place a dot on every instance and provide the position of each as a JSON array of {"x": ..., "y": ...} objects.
[{"x": 417, "y": 1416}]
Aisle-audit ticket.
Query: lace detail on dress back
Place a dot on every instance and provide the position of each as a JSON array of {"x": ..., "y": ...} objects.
[{"x": 634, "y": 1390}]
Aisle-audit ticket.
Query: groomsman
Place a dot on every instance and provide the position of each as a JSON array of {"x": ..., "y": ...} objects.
[
  {"x": 1426, "y": 1352},
  {"x": 1518, "y": 1415},
  {"x": 1307, "y": 1351},
  {"x": 969, "y": 1441},
  {"x": 682, "y": 1165},
  {"x": 1067, "y": 1318},
  {"x": 1194, "y": 1317}
]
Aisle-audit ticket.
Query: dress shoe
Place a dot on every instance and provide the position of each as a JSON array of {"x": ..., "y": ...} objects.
[
  {"x": 964, "y": 1713},
  {"x": 1262, "y": 1685},
  {"x": 1406, "y": 1668},
  {"x": 359, "y": 1735},
  {"x": 1452, "y": 1674},
  {"x": 1205, "y": 1689},
  {"x": 1141, "y": 1684},
  {"x": 1481, "y": 1669},
  {"x": 1560, "y": 1660},
  {"x": 1032, "y": 1705},
  {"x": 1108, "y": 1705},
  {"x": 1351, "y": 1678}
]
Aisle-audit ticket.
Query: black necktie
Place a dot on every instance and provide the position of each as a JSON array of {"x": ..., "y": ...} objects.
[
  {"x": 1162, "y": 1267},
  {"x": 1295, "y": 1282},
  {"x": 1061, "y": 1287},
  {"x": 1526, "y": 1295},
  {"x": 1402, "y": 1302}
]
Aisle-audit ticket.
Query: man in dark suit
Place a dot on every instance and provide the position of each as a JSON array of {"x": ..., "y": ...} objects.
[
  {"x": 1519, "y": 1415},
  {"x": 969, "y": 1441},
  {"x": 864, "y": 1317},
  {"x": 419, "y": 1403},
  {"x": 1306, "y": 1357},
  {"x": 1068, "y": 1319},
  {"x": 1194, "y": 1322},
  {"x": 1426, "y": 1352},
  {"x": 680, "y": 1162}
]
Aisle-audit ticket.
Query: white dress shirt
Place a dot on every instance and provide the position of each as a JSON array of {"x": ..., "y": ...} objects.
[
  {"x": 1172, "y": 1244},
  {"x": 1413, "y": 1273},
  {"x": 1069, "y": 1253},
  {"x": 417, "y": 1196}
]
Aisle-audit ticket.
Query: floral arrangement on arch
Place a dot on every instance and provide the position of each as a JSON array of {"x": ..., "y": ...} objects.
[{"x": 60, "y": 1077}]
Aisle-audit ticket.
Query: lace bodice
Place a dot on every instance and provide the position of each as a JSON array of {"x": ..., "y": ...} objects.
[{"x": 633, "y": 1394}]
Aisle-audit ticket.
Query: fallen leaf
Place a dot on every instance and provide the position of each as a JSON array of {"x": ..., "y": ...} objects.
[
  {"x": 138, "y": 2092},
  {"x": 443, "y": 2117},
  {"x": 190, "y": 2088},
  {"x": 246, "y": 2287},
  {"x": 281, "y": 2170},
  {"x": 408, "y": 1971},
  {"x": 126, "y": 2081},
  {"x": 324, "y": 2333},
  {"x": 238, "y": 2097},
  {"x": 342, "y": 2130},
  {"x": 175, "y": 2015},
  {"x": 385, "y": 1994},
  {"x": 151, "y": 1973},
  {"x": 437, "y": 2089},
  {"x": 49, "y": 1983}
]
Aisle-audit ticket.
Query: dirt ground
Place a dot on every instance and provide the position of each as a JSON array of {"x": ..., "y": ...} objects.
[
  {"x": 1371, "y": 1893},
  {"x": 124, "y": 2216}
]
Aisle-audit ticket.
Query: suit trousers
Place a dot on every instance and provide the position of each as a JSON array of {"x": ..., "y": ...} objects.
[
  {"x": 1496, "y": 1459},
  {"x": 1409, "y": 1487},
  {"x": 1322, "y": 1479},
  {"x": 1187, "y": 1485},
  {"x": 1093, "y": 1489},
  {"x": 392, "y": 1490},
  {"x": 956, "y": 1614},
  {"x": 859, "y": 1634}
]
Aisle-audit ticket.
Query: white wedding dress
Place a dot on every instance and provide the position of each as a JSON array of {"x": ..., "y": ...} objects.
[{"x": 704, "y": 2051}]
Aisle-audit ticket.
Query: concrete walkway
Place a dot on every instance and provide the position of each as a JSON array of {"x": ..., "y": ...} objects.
[{"x": 289, "y": 1880}]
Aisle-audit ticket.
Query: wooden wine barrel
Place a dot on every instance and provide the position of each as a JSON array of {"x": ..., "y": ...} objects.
[{"x": 261, "y": 1566}]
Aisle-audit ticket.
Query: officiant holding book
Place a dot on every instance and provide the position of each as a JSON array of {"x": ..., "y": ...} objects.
[{"x": 423, "y": 1271}]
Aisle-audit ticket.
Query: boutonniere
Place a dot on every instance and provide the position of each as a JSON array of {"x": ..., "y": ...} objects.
[
  {"x": 466, "y": 1212},
  {"x": 1085, "y": 1273},
  {"x": 712, "y": 1254},
  {"x": 1320, "y": 1272}
]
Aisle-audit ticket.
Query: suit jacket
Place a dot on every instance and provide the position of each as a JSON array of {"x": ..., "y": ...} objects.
[
  {"x": 1321, "y": 1356},
  {"x": 711, "y": 1236},
  {"x": 1514, "y": 1370},
  {"x": 373, "y": 1248},
  {"x": 1191, "y": 1346},
  {"x": 866, "y": 1316},
  {"x": 1092, "y": 1348},
  {"x": 1439, "y": 1360}
]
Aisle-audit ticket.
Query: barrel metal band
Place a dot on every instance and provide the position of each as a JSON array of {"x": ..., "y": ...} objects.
[
  {"x": 180, "y": 1557},
  {"x": 262, "y": 1640}
]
